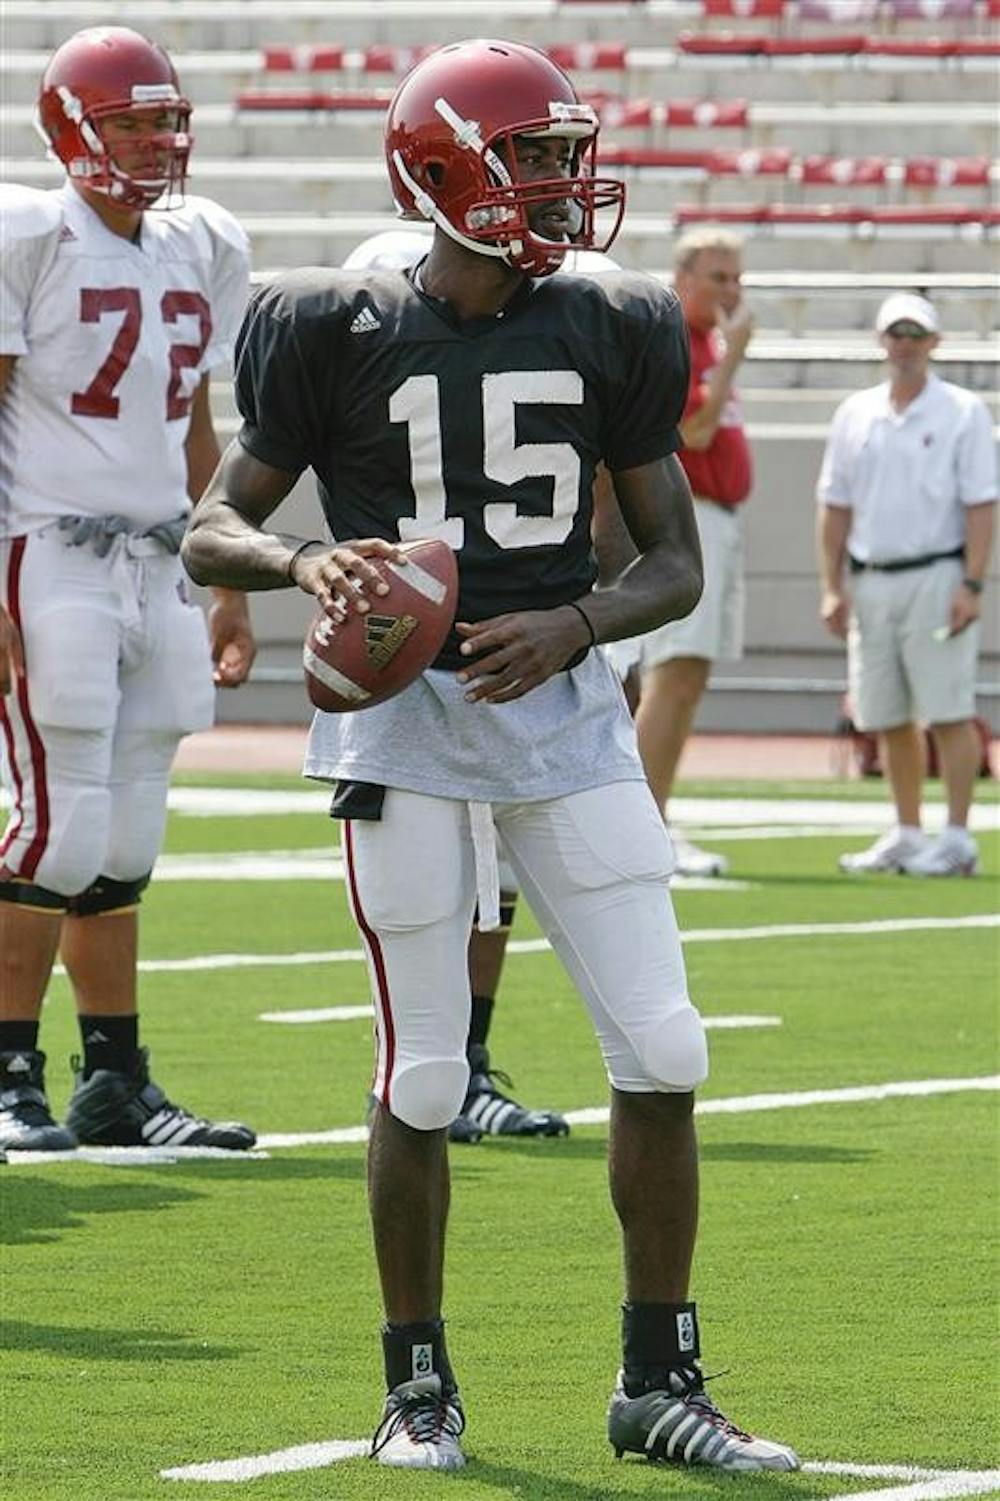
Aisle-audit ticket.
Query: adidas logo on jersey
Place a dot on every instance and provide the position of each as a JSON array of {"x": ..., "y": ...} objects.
[
  {"x": 385, "y": 634},
  {"x": 366, "y": 322},
  {"x": 66, "y": 234}
]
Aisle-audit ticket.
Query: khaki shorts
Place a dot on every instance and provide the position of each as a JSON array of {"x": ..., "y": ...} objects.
[
  {"x": 714, "y": 629},
  {"x": 898, "y": 672}
]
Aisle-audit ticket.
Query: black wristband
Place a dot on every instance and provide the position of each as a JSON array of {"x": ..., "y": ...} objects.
[
  {"x": 586, "y": 620},
  {"x": 297, "y": 554},
  {"x": 974, "y": 586}
]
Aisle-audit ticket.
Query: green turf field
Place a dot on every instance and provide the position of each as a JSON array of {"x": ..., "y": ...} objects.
[{"x": 171, "y": 1314}]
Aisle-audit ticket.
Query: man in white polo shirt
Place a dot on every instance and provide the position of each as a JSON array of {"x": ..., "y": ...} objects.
[{"x": 906, "y": 494}]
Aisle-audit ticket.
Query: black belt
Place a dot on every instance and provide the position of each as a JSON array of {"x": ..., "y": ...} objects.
[{"x": 898, "y": 565}]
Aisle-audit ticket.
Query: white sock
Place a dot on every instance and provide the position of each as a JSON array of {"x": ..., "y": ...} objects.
[{"x": 911, "y": 831}]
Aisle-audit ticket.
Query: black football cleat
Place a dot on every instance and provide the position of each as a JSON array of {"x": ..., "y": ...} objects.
[
  {"x": 680, "y": 1424},
  {"x": 26, "y": 1122},
  {"x": 112, "y": 1109},
  {"x": 486, "y": 1111}
]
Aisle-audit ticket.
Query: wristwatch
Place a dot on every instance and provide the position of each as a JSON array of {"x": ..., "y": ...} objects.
[{"x": 974, "y": 586}]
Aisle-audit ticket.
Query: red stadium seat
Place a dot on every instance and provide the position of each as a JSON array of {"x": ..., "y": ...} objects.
[
  {"x": 303, "y": 59},
  {"x": 395, "y": 60},
  {"x": 627, "y": 114},
  {"x": 770, "y": 162},
  {"x": 705, "y": 114},
  {"x": 911, "y": 48},
  {"x": 932, "y": 10},
  {"x": 308, "y": 99},
  {"x": 839, "y": 12},
  {"x": 720, "y": 43},
  {"x": 586, "y": 57},
  {"x": 841, "y": 171},
  {"x": 745, "y": 10},
  {"x": 743, "y": 213},
  {"x": 947, "y": 172},
  {"x": 685, "y": 163},
  {"x": 807, "y": 47},
  {"x": 839, "y": 218},
  {"x": 976, "y": 47},
  {"x": 678, "y": 114}
]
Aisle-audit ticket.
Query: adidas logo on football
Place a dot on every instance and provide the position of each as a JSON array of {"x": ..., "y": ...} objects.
[
  {"x": 366, "y": 322},
  {"x": 385, "y": 634}
]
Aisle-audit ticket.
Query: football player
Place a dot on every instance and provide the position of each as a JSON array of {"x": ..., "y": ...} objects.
[
  {"x": 473, "y": 399},
  {"x": 486, "y": 1110},
  {"x": 113, "y": 314}
]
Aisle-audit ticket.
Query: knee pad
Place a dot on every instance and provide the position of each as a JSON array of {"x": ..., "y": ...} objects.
[
  {"x": 78, "y": 840},
  {"x": 33, "y": 898},
  {"x": 428, "y": 1095},
  {"x": 106, "y": 895},
  {"x": 674, "y": 1053}
]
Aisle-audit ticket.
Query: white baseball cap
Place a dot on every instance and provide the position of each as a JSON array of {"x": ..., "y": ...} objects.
[{"x": 907, "y": 307}]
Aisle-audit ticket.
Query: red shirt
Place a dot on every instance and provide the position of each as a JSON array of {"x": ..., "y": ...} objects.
[{"x": 723, "y": 471}]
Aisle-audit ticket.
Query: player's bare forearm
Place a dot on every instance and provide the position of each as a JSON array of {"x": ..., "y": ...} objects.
[
  {"x": 511, "y": 654},
  {"x": 226, "y": 544},
  {"x": 665, "y": 580}
]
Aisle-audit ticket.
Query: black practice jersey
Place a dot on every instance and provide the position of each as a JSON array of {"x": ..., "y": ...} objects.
[{"x": 484, "y": 432}]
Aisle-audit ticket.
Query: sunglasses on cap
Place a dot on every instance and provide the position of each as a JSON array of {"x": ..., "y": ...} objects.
[{"x": 906, "y": 330}]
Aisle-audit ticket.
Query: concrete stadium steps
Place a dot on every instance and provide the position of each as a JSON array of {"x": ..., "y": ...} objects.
[
  {"x": 654, "y": 71},
  {"x": 955, "y": 128},
  {"x": 308, "y": 239},
  {"x": 321, "y": 185}
]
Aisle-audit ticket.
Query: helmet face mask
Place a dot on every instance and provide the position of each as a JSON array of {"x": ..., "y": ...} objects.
[
  {"x": 457, "y": 134},
  {"x": 111, "y": 110}
]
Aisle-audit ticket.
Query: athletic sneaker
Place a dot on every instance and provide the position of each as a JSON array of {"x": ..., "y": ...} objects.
[
  {"x": 486, "y": 1111},
  {"x": 111, "y": 1109},
  {"x": 889, "y": 853},
  {"x": 681, "y": 1424},
  {"x": 420, "y": 1427},
  {"x": 693, "y": 861},
  {"x": 953, "y": 853},
  {"x": 26, "y": 1122}
]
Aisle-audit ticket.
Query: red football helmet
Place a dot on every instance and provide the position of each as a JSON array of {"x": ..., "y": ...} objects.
[
  {"x": 449, "y": 145},
  {"x": 112, "y": 71}
]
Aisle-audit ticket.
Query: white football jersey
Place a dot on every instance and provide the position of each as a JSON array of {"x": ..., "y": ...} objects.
[{"x": 112, "y": 338}]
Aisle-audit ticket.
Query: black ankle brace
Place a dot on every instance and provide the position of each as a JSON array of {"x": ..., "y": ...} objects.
[
  {"x": 656, "y": 1338},
  {"x": 414, "y": 1350}
]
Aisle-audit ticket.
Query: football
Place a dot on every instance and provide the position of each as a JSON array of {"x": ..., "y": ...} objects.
[{"x": 365, "y": 659}]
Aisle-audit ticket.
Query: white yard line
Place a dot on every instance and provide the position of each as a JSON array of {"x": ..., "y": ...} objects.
[
  {"x": 833, "y": 814},
  {"x": 596, "y": 1115},
  {"x": 920, "y": 1484},
  {"x": 356, "y": 1013},
  {"x": 326, "y": 865},
  {"x": 872, "y": 929}
]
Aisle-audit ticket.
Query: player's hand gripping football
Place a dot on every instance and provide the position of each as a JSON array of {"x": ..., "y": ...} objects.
[
  {"x": 515, "y": 653},
  {"x": 11, "y": 653},
  {"x": 339, "y": 576}
]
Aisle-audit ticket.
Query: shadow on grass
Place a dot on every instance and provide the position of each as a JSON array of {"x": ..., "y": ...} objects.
[
  {"x": 595, "y": 1148},
  {"x": 38, "y": 1203},
  {"x": 111, "y": 1344},
  {"x": 510, "y": 1480}
]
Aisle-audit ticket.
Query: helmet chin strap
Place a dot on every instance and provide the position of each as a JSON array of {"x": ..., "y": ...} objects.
[
  {"x": 530, "y": 263},
  {"x": 426, "y": 206}
]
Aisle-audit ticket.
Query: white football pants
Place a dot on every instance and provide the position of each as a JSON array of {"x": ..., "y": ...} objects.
[{"x": 594, "y": 868}]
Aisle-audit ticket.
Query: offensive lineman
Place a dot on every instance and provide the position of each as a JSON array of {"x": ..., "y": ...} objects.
[
  {"x": 112, "y": 317},
  {"x": 472, "y": 400}
]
